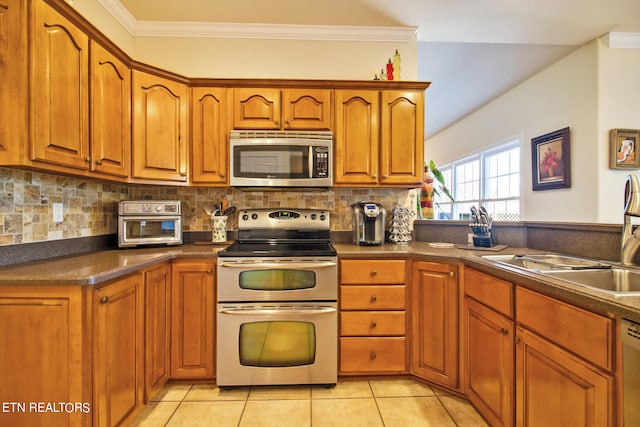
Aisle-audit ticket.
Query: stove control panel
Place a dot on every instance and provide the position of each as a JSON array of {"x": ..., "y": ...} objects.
[{"x": 284, "y": 219}]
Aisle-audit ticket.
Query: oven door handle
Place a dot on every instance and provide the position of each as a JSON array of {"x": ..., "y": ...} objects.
[
  {"x": 288, "y": 265},
  {"x": 314, "y": 311}
]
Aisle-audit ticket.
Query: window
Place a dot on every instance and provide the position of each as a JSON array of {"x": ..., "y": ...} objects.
[{"x": 490, "y": 178}]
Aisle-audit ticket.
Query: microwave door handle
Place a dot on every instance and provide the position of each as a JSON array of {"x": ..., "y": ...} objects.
[
  {"x": 279, "y": 312},
  {"x": 311, "y": 161},
  {"x": 292, "y": 265}
]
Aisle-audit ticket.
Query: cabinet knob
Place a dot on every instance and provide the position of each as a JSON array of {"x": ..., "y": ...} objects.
[
  {"x": 221, "y": 175},
  {"x": 183, "y": 174},
  {"x": 374, "y": 176},
  {"x": 104, "y": 300},
  {"x": 99, "y": 162},
  {"x": 373, "y": 298},
  {"x": 372, "y": 356},
  {"x": 374, "y": 272},
  {"x": 286, "y": 121},
  {"x": 373, "y": 324},
  {"x": 209, "y": 271},
  {"x": 277, "y": 123},
  {"x": 504, "y": 331},
  {"x": 517, "y": 340},
  {"x": 88, "y": 159},
  {"x": 451, "y": 274}
]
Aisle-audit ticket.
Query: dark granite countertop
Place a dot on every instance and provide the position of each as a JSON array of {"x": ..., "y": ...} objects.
[{"x": 101, "y": 267}]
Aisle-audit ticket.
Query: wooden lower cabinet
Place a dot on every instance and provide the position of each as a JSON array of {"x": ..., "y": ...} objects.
[
  {"x": 556, "y": 388},
  {"x": 373, "y": 317},
  {"x": 157, "y": 337},
  {"x": 434, "y": 322},
  {"x": 192, "y": 319},
  {"x": 45, "y": 357},
  {"x": 489, "y": 348},
  {"x": 118, "y": 351}
]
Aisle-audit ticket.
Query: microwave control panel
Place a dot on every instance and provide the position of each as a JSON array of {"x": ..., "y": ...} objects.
[
  {"x": 321, "y": 162},
  {"x": 149, "y": 207}
]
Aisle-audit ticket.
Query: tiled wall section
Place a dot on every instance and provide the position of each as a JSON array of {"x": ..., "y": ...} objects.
[{"x": 90, "y": 207}]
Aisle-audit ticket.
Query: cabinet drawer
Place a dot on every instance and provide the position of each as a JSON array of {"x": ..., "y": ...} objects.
[
  {"x": 490, "y": 291},
  {"x": 586, "y": 334},
  {"x": 371, "y": 272},
  {"x": 374, "y": 323},
  {"x": 372, "y": 355},
  {"x": 391, "y": 297}
]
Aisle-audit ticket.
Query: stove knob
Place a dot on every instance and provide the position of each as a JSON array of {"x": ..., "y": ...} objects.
[
  {"x": 322, "y": 217},
  {"x": 158, "y": 208},
  {"x": 245, "y": 217},
  {"x": 254, "y": 216},
  {"x": 314, "y": 216}
]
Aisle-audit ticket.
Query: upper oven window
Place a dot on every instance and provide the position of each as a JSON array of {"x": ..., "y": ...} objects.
[
  {"x": 271, "y": 161},
  {"x": 277, "y": 280}
]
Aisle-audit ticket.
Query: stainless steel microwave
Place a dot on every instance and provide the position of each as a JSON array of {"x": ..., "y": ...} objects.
[
  {"x": 149, "y": 222},
  {"x": 275, "y": 159}
]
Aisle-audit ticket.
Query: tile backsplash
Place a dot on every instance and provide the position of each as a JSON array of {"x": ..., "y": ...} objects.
[{"x": 90, "y": 207}]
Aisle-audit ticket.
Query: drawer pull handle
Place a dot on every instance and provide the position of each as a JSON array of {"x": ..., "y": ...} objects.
[
  {"x": 374, "y": 298},
  {"x": 372, "y": 356},
  {"x": 373, "y": 324}
]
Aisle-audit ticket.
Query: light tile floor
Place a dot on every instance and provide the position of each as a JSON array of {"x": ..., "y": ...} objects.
[{"x": 353, "y": 403}]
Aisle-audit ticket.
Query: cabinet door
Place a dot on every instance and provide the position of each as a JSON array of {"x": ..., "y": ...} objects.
[
  {"x": 118, "y": 351},
  {"x": 209, "y": 135},
  {"x": 489, "y": 379},
  {"x": 157, "y": 295},
  {"x": 59, "y": 90},
  {"x": 160, "y": 113},
  {"x": 556, "y": 388},
  {"x": 357, "y": 137},
  {"x": 306, "y": 109},
  {"x": 401, "y": 137},
  {"x": 43, "y": 355},
  {"x": 13, "y": 83},
  {"x": 192, "y": 320},
  {"x": 110, "y": 113},
  {"x": 256, "y": 108},
  {"x": 434, "y": 295}
]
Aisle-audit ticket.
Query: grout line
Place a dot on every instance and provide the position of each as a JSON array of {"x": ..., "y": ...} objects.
[
  {"x": 178, "y": 406},
  {"x": 446, "y": 409}
]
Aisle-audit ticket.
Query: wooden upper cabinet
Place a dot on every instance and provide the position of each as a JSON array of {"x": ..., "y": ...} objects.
[
  {"x": 209, "y": 152},
  {"x": 357, "y": 137},
  {"x": 13, "y": 80},
  {"x": 110, "y": 113},
  {"x": 306, "y": 109},
  {"x": 59, "y": 90},
  {"x": 401, "y": 137},
  {"x": 286, "y": 109},
  {"x": 160, "y": 138}
]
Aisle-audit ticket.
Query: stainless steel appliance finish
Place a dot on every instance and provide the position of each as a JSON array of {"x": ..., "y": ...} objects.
[
  {"x": 277, "y": 159},
  {"x": 277, "y": 301},
  {"x": 149, "y": 222},
  {"x": 368, "y": 223},
  {"x": 630, "y": 338},
  {"x": 292, "y": 343}
]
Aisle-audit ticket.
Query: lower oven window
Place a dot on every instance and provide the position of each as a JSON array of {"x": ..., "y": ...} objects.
[
  {"x": 277, "y": 280},
  {"x": 150, "y": 228},
  {"x": 277, "y": 343}
]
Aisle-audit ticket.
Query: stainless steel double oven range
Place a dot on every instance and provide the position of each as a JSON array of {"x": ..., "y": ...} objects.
[{"x": 277, "y": 301}]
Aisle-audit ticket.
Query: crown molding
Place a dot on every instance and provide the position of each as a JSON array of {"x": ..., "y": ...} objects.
[
  {"x": 623, "y": 40},
  {"x": 255, "y": 31}
]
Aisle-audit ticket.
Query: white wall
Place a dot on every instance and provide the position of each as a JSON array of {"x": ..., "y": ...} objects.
[
  {"x": 255, "y": 58},
  {"x": 585, "y": 91},
  {"x": 619, "y": 96}
]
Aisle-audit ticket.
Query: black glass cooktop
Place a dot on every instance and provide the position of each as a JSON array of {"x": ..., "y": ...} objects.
[{"x": 280, "y": 248}]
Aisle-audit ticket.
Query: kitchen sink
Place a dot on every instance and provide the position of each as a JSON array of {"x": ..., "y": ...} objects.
[
  {"x": 616, "y": 281},
  {"x": 545, "y": 262}
]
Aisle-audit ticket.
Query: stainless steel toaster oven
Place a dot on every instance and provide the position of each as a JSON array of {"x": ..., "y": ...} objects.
[{"x": 149, "y": 222}]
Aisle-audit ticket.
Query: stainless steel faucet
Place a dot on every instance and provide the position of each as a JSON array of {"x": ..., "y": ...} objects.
[{"x": 630, "y": 239}]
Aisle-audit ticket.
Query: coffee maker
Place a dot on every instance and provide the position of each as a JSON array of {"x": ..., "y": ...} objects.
[{"x": 368, "y": 223}]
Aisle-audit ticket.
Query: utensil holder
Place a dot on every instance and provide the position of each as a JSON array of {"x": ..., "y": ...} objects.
[{"x": 218, "y": 228}]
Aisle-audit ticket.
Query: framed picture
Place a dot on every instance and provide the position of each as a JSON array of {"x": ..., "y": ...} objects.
[
  {"x": 624, "y": 149},
  {"x": 550, "y": 160}
]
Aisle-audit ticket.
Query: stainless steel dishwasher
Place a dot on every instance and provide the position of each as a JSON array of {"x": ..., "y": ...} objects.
[{"x": 630, "y": 338}]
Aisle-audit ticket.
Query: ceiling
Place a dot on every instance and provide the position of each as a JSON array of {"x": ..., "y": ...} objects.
[{"x": 472, "y": 51}]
